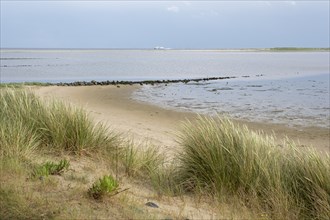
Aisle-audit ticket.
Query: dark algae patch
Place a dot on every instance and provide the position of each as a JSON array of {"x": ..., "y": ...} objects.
[
  {"x": 145, "y": 82},
  {"x": 114, "y": 82}
]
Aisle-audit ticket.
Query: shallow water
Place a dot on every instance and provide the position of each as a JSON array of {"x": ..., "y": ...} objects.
[
  {"x": 279, "y": 87},
  {"x": 299, "y": 101}
]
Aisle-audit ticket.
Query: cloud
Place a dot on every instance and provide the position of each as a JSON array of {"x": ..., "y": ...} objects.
[
  {"x": 174, "y": 9},
  {"x": 293, "y": 3}
]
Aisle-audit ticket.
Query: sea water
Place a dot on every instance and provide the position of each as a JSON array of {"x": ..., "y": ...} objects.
[
  {"x": 79, "y": 65},
  {"x": 279, "y": 87},
  {"x": 297, "y": 101}
]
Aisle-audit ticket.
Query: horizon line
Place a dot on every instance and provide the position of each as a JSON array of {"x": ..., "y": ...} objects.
[{"x": 154, "y": 48}]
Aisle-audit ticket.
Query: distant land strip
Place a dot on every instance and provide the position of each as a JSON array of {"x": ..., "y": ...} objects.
[
  {"x": 283, "y": 49},
  {"x": 271, "y": 49}
]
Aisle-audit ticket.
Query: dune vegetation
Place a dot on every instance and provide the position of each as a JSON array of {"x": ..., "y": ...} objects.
[
  {"x": 229, "y": 160},
  {"x": 217, "y": 159},
  {"x": 28, "y": 122}
]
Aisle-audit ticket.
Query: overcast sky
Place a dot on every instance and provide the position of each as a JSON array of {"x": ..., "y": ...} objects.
[{"x": 173, "y": 24}]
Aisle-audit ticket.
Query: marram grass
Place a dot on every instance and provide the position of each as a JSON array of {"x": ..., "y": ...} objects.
[
  {"x": 26, "y": 122},
  {"x": 140, "y": 159},
  {"x": 217, "y": 156},
  {"x": 228, "y": 160}
]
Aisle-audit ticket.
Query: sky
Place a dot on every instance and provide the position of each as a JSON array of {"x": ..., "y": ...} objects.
[{"x": 171, "y": 24}]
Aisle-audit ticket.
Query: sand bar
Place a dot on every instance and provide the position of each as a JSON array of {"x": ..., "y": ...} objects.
[{"x": 144, "y": 122}]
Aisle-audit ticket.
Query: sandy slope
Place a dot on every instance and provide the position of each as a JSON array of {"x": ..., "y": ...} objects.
[{"x": 115, "y": 106}]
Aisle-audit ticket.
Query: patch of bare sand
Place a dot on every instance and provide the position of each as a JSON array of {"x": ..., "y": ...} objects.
[{"x": 115, "y": 107}]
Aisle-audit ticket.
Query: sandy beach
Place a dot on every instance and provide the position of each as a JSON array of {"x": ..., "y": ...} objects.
[{"x": 115, "y": 107}]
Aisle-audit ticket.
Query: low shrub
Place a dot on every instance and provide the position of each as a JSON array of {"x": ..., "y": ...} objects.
[
  {"x": 103, "y": 186},
  {"x": 50, "y": 168}
]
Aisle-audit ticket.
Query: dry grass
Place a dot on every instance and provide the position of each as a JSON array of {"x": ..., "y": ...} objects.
[
  {"x": 139, "y": 159},
  {"x": 27, "y": 123},
  {"x": 227, "y": 160}
]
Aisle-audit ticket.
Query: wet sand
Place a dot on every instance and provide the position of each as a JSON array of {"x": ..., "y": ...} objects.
[{"x": 144, "y": 122}]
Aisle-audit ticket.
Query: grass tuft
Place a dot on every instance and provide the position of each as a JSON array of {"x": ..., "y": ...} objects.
[
  {"x": 140, "y": 160},
  {"x": 26, "y": 123},
  {"x": 228, "y": 160}
]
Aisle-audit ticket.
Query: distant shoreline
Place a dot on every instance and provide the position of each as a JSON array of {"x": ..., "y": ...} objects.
[{"x": 274, "y": 49}]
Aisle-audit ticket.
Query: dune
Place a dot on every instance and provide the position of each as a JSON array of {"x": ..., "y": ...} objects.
[{"x": 116, "y": 107}]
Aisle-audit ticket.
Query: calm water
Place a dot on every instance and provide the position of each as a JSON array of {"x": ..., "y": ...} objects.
[
  {"x": 299, "y": 101},
  {"x": 74, "y": 65},
  {"x": 282, "y": 87}
]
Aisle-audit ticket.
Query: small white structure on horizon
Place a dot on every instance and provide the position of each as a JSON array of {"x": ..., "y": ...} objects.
[{"x": 161, "y": 48}]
